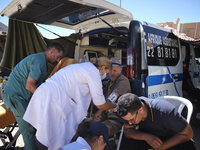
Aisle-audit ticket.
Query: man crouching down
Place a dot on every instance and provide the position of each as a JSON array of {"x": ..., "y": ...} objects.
[{"x": 153, "y": 124}]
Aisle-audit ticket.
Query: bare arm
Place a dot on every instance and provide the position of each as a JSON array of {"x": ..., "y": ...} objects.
[
  {"x": 97, "y": 115},
  {"x": 181, "y": 137},
  {"x": 152, "y": 140},
  {"x": 31, "y": 84},
  {"x": 106, "y": 106},
  {"x": 156, "y": 143}
]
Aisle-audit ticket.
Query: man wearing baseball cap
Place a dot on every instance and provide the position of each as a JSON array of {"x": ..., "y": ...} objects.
[{"x": 92, "y": 136}]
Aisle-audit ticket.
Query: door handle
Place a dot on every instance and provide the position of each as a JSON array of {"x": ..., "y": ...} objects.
[{"x": 176, "y": 77}]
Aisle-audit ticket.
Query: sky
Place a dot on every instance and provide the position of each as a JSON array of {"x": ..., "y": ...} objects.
[{"x": 152, "y": 11}]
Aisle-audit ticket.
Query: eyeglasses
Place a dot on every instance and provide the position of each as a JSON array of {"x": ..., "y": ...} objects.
[{"x": 132, "y": 120}]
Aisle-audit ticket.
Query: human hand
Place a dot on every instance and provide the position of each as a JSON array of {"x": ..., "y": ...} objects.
[
  {"x": 153, "y": 141},
  {"x": 160, "y": 148},
  {"x": 128, "y": 126},
  {"x": 112, "y": 110}
]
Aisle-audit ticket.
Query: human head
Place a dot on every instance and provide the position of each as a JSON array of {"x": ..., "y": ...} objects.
[
  {"x": 115, "y": 71},
  {"x": 128, "y": 107},
  {"x": 95, "y": 133},
  {"x": 54, "y": 52},
  {"x": 103, "y": 64}
]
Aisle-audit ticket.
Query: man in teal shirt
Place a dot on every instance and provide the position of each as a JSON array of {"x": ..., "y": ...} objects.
[{"x": 26, "y": 76}]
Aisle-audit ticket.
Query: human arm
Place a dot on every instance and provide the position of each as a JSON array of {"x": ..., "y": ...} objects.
[
  {"x": 37, "y": 70},
  {"x": 176, "y": 124},
  {"x": 178, "y": 138},
  {"x": 112, "y": 98},
  {"x": 96, "y": 91},
  {"x": 152, "y": 140},
  {"x": 121, "y": 86},
  {"x": 107, "y": 105},
  {"x": 31, "y": 84}
]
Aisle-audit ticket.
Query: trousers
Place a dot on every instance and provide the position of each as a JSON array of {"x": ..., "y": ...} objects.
[{"x": 18, "y": 106}]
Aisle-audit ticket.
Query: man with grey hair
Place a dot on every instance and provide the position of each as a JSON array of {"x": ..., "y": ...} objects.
[
  {"x": 117, "y": 85},
  {"x": 151, "y": 123}
]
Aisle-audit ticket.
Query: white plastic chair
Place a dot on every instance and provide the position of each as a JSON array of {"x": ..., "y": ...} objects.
[{"x": 180, "y": 103}]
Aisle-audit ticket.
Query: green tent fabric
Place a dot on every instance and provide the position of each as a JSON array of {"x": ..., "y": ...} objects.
[
  {"x": 69, "y": 47},
  {"x": 2, "y": 44},
  {"x": 22, "y": 40}
]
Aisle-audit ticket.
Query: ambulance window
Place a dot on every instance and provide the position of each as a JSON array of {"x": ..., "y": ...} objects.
[
  {"x": 162, "y": 47},
  {"x": 90, "y": 54}
]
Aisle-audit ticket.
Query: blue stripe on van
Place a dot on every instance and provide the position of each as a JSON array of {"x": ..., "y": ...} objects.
[
  {"x": 174, "y": 81},
  {"x": 164, "y": 79}
]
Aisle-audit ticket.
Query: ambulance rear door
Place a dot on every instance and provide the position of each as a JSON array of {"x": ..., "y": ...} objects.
[
  {"x": 164, "y": 62},
  {"x": 79, "y": 15},
  {"x": 194, "y": 65}
]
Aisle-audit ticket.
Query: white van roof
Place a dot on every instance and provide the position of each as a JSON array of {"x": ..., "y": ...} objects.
[{"x": 72, "y": 14}]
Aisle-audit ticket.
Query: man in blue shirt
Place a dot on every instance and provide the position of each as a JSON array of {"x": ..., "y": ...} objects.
[
  {"x": 26, "y": 76},
  {"x": 157, "y": 125}
]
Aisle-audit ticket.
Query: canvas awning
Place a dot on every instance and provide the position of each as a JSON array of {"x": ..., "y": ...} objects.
[
  {"x": 185, "y": 38},
  {"x": 24, "y": 39}
]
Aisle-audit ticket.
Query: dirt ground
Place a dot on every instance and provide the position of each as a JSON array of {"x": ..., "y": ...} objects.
[
  {"x": 195, "y": 127},
  {"x": 195, "y": 124}
]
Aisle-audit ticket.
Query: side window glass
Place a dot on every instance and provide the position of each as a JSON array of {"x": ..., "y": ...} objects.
[{"x": 162, "y": 47}]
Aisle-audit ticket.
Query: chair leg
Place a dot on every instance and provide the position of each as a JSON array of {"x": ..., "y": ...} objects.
[{"x": 120, "y": 138}]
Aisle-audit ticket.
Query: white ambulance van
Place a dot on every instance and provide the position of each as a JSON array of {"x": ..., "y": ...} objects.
[{"x": 151, "y": 54}]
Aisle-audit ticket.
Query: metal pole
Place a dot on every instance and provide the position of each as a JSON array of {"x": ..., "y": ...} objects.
[{"x": 120, "y": 138}]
